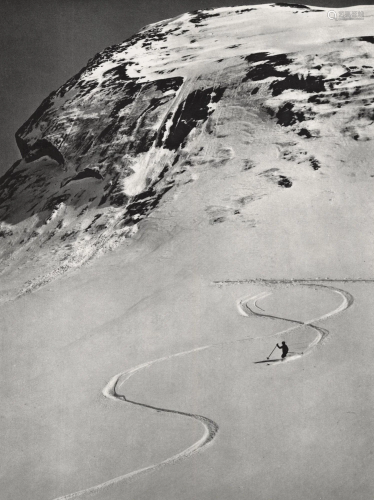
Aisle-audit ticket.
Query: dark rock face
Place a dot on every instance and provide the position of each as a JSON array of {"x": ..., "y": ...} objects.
[
  {"x": 276, "y": 66},
  {"x": 270, "y": 67},
  {"x": 39, "y": 149},
  {"x": 193, "y": 110},
  {"x": 368, "y": 39},
  {"x": 201, "y": 15},
  {"x": 287, "y": 117},
  {"x": 284, "y": 182},
  {"x": 292, "y": 5}
]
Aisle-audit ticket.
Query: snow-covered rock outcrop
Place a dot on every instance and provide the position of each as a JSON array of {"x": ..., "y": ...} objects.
[{"x": 206, "y": 90}]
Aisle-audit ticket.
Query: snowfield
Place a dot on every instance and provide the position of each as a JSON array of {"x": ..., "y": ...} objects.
[{"x": 192, "y": 197}]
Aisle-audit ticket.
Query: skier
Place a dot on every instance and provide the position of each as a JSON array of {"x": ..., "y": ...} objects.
[{"x": 284, "y": 348}]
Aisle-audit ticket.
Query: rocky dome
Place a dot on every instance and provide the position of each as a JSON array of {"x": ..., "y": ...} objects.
[{"x": 250, "y": 102}]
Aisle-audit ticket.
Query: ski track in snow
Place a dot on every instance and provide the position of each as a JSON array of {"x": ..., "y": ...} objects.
[
  {"x": 246, "y": 306},
  {"x": 246, "y": 309}
]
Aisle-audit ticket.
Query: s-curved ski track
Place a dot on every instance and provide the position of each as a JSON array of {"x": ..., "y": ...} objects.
[{"x": 246, "y": 306}]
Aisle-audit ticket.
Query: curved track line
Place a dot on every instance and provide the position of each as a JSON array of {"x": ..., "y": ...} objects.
[
  {"x": 110, "y": 392},
  {"x": 239, "y": 302},
  {"x": 322, "y": 333},
  {"x": 211, "y": 427}
]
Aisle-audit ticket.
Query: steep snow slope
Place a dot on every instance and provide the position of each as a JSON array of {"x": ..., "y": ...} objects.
[
  {"x": 178, "y": 100},
  {"x": 251, "y": 160}
]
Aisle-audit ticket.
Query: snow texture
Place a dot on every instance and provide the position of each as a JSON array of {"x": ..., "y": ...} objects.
[
  {"x": 183, "y": 96},
  {"x": 225, "y": 156}
]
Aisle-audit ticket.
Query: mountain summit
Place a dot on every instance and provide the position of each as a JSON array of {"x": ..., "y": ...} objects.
[{"x": 236, "y": 107}]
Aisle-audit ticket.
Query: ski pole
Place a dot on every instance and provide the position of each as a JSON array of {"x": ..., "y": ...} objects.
[{"x": 271, "y": 352}]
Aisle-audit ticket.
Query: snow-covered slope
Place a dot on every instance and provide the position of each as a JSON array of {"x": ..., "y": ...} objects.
[
  {"x": 206, "y": 97},
  {"x": 227, "y": 154}
]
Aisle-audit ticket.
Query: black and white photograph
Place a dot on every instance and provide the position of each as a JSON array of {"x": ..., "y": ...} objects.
[{"x": 186, "y": 250}]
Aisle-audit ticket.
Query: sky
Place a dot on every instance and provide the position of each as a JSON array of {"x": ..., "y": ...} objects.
[{"x": 45, "y": 42}]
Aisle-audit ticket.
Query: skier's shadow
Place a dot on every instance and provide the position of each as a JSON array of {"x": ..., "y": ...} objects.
[{"x": 266, "y": 361}]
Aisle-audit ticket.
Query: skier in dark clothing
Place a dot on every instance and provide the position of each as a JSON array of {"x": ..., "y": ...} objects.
[{"x": 284, "y": 348}]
